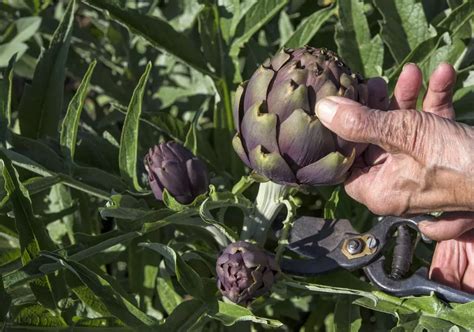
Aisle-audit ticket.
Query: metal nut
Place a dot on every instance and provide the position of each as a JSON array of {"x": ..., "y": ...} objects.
[{"x": 354, "y": 246}]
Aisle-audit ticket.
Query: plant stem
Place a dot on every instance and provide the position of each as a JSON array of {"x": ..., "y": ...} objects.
[
  {"x": 285, "y": 231},
  {"x": 267, "y": 205}
]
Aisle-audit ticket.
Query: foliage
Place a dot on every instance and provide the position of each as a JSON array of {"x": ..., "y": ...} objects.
[{"x": 87, "y": 87}]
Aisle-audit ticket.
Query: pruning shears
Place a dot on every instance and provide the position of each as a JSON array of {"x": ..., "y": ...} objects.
[{"x": 328, "y": 245}]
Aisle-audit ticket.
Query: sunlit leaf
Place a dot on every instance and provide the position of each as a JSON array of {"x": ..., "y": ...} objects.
[{"x": 129, "y": 138}]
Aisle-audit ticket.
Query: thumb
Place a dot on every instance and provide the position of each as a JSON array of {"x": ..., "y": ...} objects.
[
  {"x": 393, "y": 131},
  {"x": 449, "y": 226}
]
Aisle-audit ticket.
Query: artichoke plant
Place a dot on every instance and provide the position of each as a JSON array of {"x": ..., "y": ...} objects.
[
  {"x": 172, "y": 167},
  {"x": 244, "y": 272},
  {"x": 278, "y": 134}
]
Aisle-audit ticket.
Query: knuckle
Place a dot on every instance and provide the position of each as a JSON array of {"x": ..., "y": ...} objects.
[
  {"x": 355, "y": 122},
  {"x": 401, "y": 130}
]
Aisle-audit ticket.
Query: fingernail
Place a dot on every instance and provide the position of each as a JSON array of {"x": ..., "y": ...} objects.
[
  {"x": 326, "y": 109},
  {"x": 408, "y": 64},
  {"x": 426, "y": 225}
]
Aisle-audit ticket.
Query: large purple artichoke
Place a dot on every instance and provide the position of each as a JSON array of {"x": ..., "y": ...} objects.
[
  {"x": 244, "y": 272},
  {"x": 172, "y": 167},
  {"x": 278, "y": 133}
]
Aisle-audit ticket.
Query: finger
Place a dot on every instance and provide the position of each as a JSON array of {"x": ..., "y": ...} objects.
[
  {"x": 407, "y": 88},
  {"x": 360, "y": 186},
  {"x": 439, "y": 97},
  {"x": 468, "y": 278},
  {"x": 397, "y": 131},
  {"x": 448, "y": 264},
  {"x": 448, "y": 226},
  {"x": 378, "y": 93}
]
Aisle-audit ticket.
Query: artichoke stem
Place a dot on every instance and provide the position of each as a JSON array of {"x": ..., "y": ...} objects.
[{"x": 267, "y": 205}]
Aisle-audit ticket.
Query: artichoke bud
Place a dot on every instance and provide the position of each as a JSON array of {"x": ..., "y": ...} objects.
[
  {"x": 172, "y": 167},
  {"x": 288, "y": 145},
  {"x": 245, "y": 271}
]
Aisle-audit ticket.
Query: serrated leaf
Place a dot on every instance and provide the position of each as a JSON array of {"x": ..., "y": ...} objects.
[
  {"x": 5, "y": 100},
  {"x": 129, "y": 138},
  {"x": 158, "y": 32},
  {"x": 404, "y": 26},
  {"x": 41, "y": 104},
  {"x": 309, "y": 27},
  {"x": 187, "y": 277},
  {"x": 354, "y": 43},
  {"x": 230, "y": 313},
  {"x": 69, "y": 127}
]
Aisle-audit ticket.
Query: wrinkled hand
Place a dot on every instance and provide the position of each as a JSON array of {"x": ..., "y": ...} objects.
[{"x": 420, "y": 162}]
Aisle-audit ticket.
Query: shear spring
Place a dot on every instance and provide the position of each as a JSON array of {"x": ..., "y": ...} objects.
[{"x": 402, "y": 253}]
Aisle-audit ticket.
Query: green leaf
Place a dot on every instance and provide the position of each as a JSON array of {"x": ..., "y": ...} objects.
[
  {"x": 169, "y": 299},
  {"x": 346, "y": 316},
  {"x": 158, "y": 32},
  {"x": 70, "y": 123},
  {"x": 41, "y": 104},
  {"x": 187, "y": 277},
  {"x": 206, "y": 215},
  {"x": 463, "y": 101},
  {"x": 331, "y": 204},
  {"x": 36, "y": 315},
  {"x": 254, "y": 19},
  {"x": 404, "y": 26},
  {"x": 6, "y": 301},
  {"x": 421, "y": 308},
  {"x": 229, "y": 314},
  {"x": 458, "y": 18},
  {"x": 32, "y": 234},
  {"x": 118, "y": 305},
  {"x": 5, "y": 101},
  {"x": 320, "y": 288},
  {"x": 26, "y": 27},
  {"x": 309, "y": 27},
  {"x": 129, "y": 137},
  {"x": 185, "y": 316},
  {"x": 354, "y": 43}
]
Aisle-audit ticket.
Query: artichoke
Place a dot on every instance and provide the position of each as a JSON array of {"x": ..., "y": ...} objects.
[
  {"x": 172, "y": 167},
  {"x": 244, "y": 272},
  {"x": 278, "y": 134}
]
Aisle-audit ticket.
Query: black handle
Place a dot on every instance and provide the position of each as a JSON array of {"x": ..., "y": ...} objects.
[{"x": 417, "y": 284}]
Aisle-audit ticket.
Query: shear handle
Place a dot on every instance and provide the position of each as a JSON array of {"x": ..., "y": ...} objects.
[{"x": 416, "y": 284}]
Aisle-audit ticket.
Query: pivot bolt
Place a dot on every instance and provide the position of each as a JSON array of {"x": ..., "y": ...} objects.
[{"x": 354, "y": 246}]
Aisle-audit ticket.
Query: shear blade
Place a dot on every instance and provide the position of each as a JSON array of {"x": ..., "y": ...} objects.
[{"x": 316, "y": 237}]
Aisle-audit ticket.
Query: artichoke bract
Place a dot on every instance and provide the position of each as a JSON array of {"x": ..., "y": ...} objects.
[
  {"x": 172, "y": 167},
  {"x": 278, "y": 134},
  {"x": 245, "y": 271}
]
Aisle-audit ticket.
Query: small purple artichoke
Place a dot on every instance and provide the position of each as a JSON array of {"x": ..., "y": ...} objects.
[
  {"x": 244, "y": 272},
  {"x": 279, "y": 135},
  {"x": 172, "y": 167}
]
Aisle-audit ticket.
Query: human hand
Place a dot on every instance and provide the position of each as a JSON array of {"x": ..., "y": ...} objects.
[
  {"x": 428, "y": 164},
  {"x": 453, "y": 260}
]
